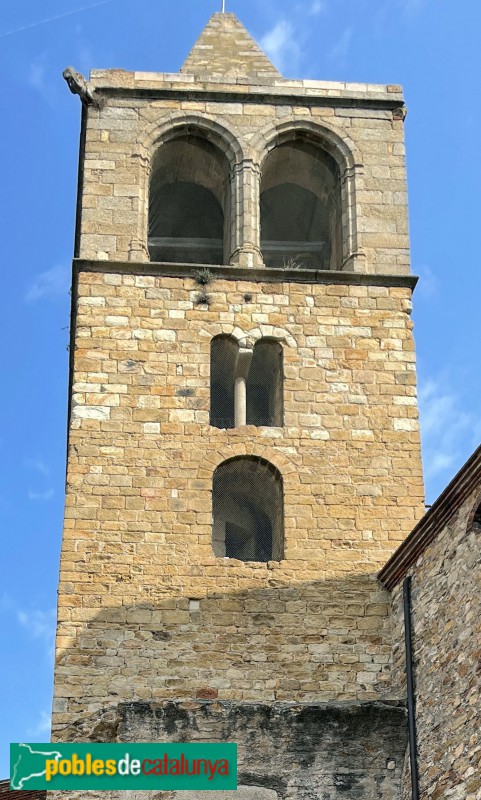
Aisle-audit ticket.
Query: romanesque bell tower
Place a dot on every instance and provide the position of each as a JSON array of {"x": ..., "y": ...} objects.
[{"x": 243, "y": 447}]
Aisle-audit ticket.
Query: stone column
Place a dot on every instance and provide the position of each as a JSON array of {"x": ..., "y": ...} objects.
[
  {"x": 353, "y": 259},
  {"x": 240, "y": 394},
  {"x": 245, "y": 222},
  {"x": 240, "y": 401},
  {"x": 138, "y": 248}
]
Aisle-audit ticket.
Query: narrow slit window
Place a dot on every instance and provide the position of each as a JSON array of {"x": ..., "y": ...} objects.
[
  {"x": 264, "y": 385},
  {"x": 223, "y": 359},
  {"x": 476, "y": 525}
]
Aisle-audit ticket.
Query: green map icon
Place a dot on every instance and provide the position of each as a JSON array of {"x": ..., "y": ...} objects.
[{"x": 27, "y": 763}]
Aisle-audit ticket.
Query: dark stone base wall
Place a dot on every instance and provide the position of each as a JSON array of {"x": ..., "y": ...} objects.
[{"x": 333, "y": 751}]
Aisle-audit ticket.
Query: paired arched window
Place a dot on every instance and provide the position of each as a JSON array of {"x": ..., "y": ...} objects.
[
  {"x": 300, "y": 204},
  {"x": 188, "y": 202},
  {"x": 246, "y": 385},
  {"x": 301, "y": 208},
  {"x": 248, "y": 517}
]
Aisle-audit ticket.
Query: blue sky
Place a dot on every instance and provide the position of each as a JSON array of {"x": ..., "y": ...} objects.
[{"x": 430, "y": 46}]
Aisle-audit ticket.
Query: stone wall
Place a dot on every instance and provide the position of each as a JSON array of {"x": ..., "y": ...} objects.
[
  {"x": 328, "y": 752},
  {"x": 446, "y": 614},
  {"x": 137, "y": 546}
]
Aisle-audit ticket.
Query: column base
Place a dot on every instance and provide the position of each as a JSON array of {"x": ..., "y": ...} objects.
[
  {"x": 138, "y": 251},
  {"x": 250, "y": 257}
]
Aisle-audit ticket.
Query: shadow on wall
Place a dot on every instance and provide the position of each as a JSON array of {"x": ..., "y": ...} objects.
[
  {"x": 160, "y": 668},
  {"x": 308, "y": 641}
]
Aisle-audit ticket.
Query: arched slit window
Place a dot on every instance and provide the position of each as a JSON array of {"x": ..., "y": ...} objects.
[
  {"x": 248, "y": 517},
  {"x": 264, "y": 385},
  {"x": 246, "y": 386},
  {"x": 476, "y": 524},
  {"x": 301, "y": 218},
  {"x": 224, "y": 352},
  {"x": 188, "y": 202}
]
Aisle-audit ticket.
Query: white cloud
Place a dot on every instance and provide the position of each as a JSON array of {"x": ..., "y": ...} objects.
[
  {"x": 43, "y": 725},
  {"x": 44, "y": 496},
  {"x": 40, "y": 626},
  {"x": 340, "y": 49},
  {"x": 282, "y": 46},
  {"x": 411, "y": 7},
  {"x": 52, "y": 283},
  {"x": 39, "y": 79},
  {"x": 317, "y": 7},
  {"x": 39, "y": 465},
  {"x": 445, "y": 426},
  {"x": 36, "y": 75},
  {"x": 85, "y": 57},
  {"x": 428, "y": 282},
  {"x": 6, "y": 602}
]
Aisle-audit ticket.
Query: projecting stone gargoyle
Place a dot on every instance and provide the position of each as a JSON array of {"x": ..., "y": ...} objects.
[{"x": 78, "y": 85}]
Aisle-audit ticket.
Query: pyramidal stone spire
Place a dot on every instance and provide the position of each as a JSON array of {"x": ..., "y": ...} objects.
[{"x": 226, "y": 49}]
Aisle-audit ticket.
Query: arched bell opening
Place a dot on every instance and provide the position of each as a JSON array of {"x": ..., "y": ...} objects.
[
  {"x": 189, "y": 202},
  {"x": 301, "y": 215}
]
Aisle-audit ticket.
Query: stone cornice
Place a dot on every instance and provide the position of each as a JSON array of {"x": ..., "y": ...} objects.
[
  {"x": 244, "y": 94},
  {"x": 233, "y": 273}
]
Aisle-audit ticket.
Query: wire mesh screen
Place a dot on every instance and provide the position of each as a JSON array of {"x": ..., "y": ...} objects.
[
  {"x": 264, "y": 385},
  {"x": 223, "y": 357},
  {"x": 248, "y": 510},
  {"x": 301, "y": 208},
  {"x": 186, "y": 202},
  {"x": 264, "y": 402}
]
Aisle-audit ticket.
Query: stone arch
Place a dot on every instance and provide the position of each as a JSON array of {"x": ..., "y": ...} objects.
[
  {"x": 264, "y": 331},
  {"x": 343, "y": 152},
  {"x": 189, "y": 202},
  {"x": 218, "y": 133},
  {"x": 248, "y": 339},
  {"x": 282, "y": 463},
  {"x": 339, "y": 146},
  {"x": 178, "y": 125}
]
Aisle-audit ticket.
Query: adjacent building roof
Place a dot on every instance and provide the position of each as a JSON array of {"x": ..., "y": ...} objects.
[
  {"x": 226, "y": 49},
  {"x": 467, "y": 480},
  {"x": 19, "y": 794}
]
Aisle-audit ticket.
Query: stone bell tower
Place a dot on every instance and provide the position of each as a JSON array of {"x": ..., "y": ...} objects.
[{"x": 243, "y": 448}]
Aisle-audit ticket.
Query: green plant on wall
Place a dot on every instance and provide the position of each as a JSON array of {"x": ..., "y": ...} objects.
[{"x": 203, "y": 277}]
